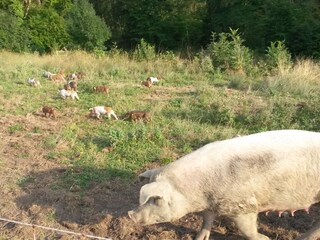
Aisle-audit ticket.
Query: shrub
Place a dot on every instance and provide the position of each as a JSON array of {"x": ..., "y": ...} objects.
[
  {"x": 278, "y": 57},
  {"x": 228, "y": 52},
  {"x": 204, "y": 61},
  {"x": 144, "y": 51}
]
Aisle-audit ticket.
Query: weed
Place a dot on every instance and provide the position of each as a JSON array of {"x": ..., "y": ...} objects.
[
  {"x": 23, "y": 181},
  {"x": 50, "y": 142},
  {"x": 51, "y": 215},
  {"x": 36, "y": 130},
  {"x": 51, "y": 155},
  {"x": 23, "y": 155},
  {"x": 15, "y": 128}
]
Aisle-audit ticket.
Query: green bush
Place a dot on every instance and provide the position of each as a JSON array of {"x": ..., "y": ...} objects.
[
  {"x": 144, "y": 51},
  {"x": 228, "y": 52},
  {"x": 278, "y": 57}
]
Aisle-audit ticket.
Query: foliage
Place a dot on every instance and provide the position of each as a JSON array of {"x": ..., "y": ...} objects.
[
  {"x": 168, "y": 25},
  {"x": 278, "y": 57},
  {"x": 228, "y": 52},
  {"x": 87, "y": 30},
  {"x": 13, "y": 35},
  {"x": 265, "y": 21},
  {"x": 144, "y": 51},
  {"x": 47, "y": 30},
  {"x": 12, "y": 7},
  {"x": 61, "y": 6}
]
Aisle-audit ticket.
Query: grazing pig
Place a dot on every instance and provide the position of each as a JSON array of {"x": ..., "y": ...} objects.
[
  {"x": 68, "y": 93},
  {"x": 153, "y": 80},
  {"x": 33, "y": 82},
  {"x": 102, "y": 89},
  {"x": 80, "y": 75},
  {"x": 237, "y": 178},
  {"x": 98, "y": 111},
  {"x": 137, "y": 115},
  {"x": 76, "y": 76},
  {"x": 48, "y": 110},
  {"x": 71, "y": 85},
  {"x": 147, "y": 83},
  {"x": 47, "y": 74},
  {"x": 57, "y": 77}
]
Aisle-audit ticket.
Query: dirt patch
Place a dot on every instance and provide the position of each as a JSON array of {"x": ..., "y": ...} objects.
[
  {"x": 166, "y": 93},
  {"x": 32, "y": 191}
]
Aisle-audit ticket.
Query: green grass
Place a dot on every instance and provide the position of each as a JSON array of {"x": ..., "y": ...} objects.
[
  {"x": 190, "y": 107},
  {"x": 15, "y": 128},
  {"x": 24, "y": 181}
]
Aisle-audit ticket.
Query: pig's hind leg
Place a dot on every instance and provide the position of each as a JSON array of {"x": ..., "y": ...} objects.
[
  {"x": 204, "y": 233},
  {"x": 247, "y": 224}
]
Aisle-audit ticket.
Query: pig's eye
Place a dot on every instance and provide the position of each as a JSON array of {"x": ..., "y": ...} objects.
[{"x": 156, "y": 200}]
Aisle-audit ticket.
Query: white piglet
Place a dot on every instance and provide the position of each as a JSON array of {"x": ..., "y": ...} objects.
[
  {"x": 153, "y": 80},
  {"x": 237, "y": 178},
  {"x": 68, "y": 93},
  {"x": 98, "y": 111},
  {"x": 33, "y": 82},
  {"x": 47, "y": 74}
]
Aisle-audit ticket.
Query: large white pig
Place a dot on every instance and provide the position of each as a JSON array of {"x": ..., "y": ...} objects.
[{"x": 237, "y": 178}]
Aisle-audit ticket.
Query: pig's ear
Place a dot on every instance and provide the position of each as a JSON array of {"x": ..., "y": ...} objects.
[
  {"x": 156, "y": 200},
  {"x": 155, "y": 192},
  {"x": 149, "y": 174}
]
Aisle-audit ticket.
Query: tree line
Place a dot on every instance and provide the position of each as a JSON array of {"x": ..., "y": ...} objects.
[{"x": 174, "y": 25}]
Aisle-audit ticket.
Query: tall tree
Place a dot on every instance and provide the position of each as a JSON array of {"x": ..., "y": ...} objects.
[
  {"x": 13, "y": 7},
  {"x": 114, "y": 15},
  {"x": 47, "y": 30},
  {"x": 168, "y": 24},
  {"x": 13, "y": 36},
  {"x": 262, "y": 21},
  {"x": 87, "y": 30}
]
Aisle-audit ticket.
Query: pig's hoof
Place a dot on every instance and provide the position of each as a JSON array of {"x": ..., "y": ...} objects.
[
  {"x": 203, "y": 235},
  {"x": 261, "y": 237}
]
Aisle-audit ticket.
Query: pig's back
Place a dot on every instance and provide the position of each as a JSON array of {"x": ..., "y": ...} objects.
[
  {"x": 272, "y": 170},
  {"x": 264, "y": 148}
]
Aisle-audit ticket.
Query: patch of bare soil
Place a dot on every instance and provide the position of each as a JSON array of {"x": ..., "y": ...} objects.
[
  {"x": 166, "y": 93},
  {"x": 40, "y": 198}
]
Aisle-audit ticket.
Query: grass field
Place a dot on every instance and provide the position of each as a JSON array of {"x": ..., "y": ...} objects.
[{"x": 191, "y": 106}]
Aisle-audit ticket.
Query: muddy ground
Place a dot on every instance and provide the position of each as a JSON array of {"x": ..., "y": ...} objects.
[{"x": 31, "y": 192}]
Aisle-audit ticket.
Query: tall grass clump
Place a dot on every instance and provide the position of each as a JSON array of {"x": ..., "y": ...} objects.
[{"x": 300, "y": 80}]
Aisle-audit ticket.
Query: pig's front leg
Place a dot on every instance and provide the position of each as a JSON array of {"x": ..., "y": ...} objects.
[
  {"x": 247, "y": 224},
  {"x": 204, "y": 233}
]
